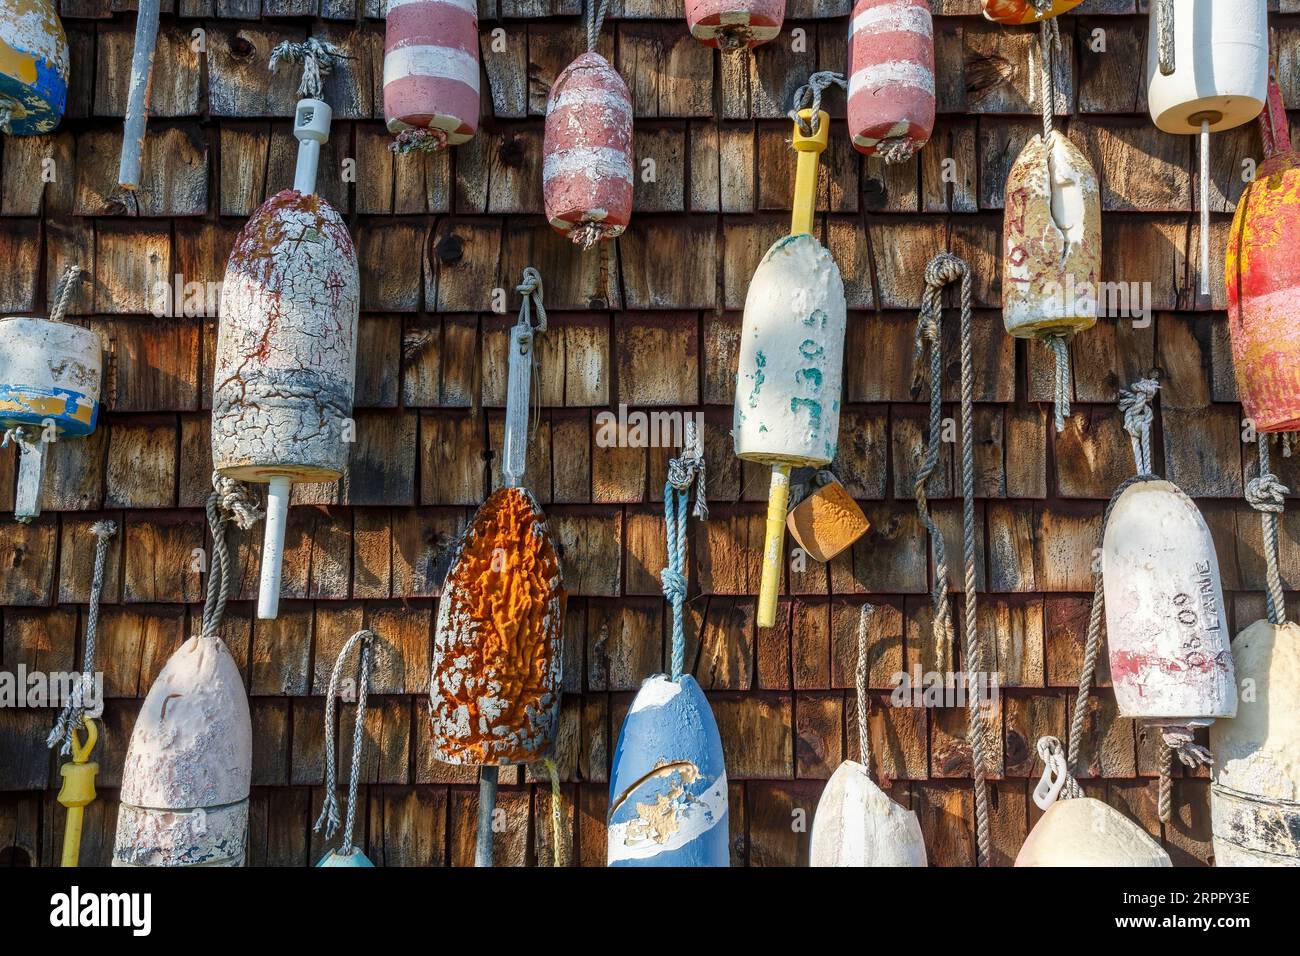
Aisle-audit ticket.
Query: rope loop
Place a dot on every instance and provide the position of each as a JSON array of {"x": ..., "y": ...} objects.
[
  {"x": 684, "y": 470},
  {"x": 1135, "y": 403},
  {"x": 809, "y": 96},
  {"x": 229, "y": 501},
  {"x": 317, "y": 57},
  {"x": 1267, "y": 495},
  {"x": 1056, "y": 782},
  {"x": 329, "y": 813}
]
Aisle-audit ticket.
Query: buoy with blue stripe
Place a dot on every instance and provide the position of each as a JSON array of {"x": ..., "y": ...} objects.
[
  {"x": 668, "y": 786},
  {"x": 33, "y": 67},
  {"x": 348, "y": 853},
  {"x": 50, "y": 375}
]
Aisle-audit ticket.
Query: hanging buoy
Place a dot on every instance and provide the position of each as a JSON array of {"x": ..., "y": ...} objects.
[
  {"x": 431, "y": 73},
  {"x": 734, "y": 24},
  {"x": 856, "y": 823},
  {"x": 137, "y": 99},
  {"x": 494, "y": 694},
  {"x": 1207, "y": 71},
  {"x": 891, "y": 78},
  {"x": 1262, "y": 272},
  {"x": 286, "y": 346},
  {"x": 348, "y": 854},
  {"x": 787, "y": 407},
  {"x": 1026, "y": 11},
  {"x": 50, "y": 375},
  {"x": 1051, "y": 241},
  {"x": 1255, "y": 794},
  {"x": 587, "y": 148},
  {"x": 1078, "y": 830},
  {"x": 33, "y": 67},
  {"x": 826, "y": 520}
]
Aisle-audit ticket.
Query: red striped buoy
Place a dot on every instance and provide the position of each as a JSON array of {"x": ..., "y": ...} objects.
[
  {"x": 734, "y": 24},
  {"x": 587, "y": 151},
  {"x": 891, "y": 77},
  {"x": 431, "y": 72}
]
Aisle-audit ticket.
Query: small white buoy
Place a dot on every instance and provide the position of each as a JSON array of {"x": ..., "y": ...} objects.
[
  {"x": 1087, "y": 832},
  {"x": 856, "y": 824}
]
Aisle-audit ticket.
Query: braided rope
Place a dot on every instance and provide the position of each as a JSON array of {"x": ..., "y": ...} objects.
[
  {"x": 684, "y": 470},
  {"x": 1165, "y": 810},
  {"x": 557, "y": 813},
  {"x": 67, "y": 285},
  {"x": 1135, "y": 403},
  {"x": 809, "y": 96},
  {"x": 1059, "y": 343},
  {"x": 1050, "y": 752},
  {"x": 229, "y": 501},
  {"x": 329, "y": 812},
  {"x": 73, "y": 713},
  {"x": 942, "y": 270},
  {"x": 1266, "y": 494},
  {"x": 860, "y": 685},
  {"x": 1049, "y": 37},
  {"x": 596, "y": 10},
  {"x": 317, "y": 58}
]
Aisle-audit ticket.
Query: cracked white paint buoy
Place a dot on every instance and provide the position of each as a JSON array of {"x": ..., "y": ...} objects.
[
  {"x": 33, "y": 67},
  {"x": 286, "y": 347},
  {"x": 186, "y": 778},
  {"x": 1087, "y": 832},
  {"x": 857, "y": 824}
]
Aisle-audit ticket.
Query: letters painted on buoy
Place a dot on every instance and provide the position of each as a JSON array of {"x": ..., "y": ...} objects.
[
  {"x": 891, "y": 77},
  {"x": 1025, "y": 11},
  {"x": 431, "y": 71},
  {"x": 186, "y": 778},
  {"x": 1087, "y": 832},
  {"x": 668, "y": 786},
  {"x": 587, "y": 151},
  {"x": 33, "y": 67},
  {"x": 734, "y": 24}
]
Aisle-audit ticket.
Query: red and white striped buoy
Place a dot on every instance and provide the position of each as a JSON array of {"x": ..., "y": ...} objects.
[
  {"x": 734, "y": 24},
  {"x": 891, "y": 77},
  {"x": 587, "y": 151},
  {"x": 431, "y": 72}
]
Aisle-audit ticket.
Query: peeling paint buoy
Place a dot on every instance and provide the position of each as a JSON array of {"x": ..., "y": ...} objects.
[
  {"x": 1025, "y": 11},
  {"x": 734, "y": 24},
  {"x": 891, "y": 77},
  {"x": 668, "y": 786},
  {"x": 186, "y": 778},
  {"x": 431, "y": 72},
  {"x": 33, "y": 67}
]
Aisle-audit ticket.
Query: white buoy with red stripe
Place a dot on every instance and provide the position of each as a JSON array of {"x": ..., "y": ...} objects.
[
  {"x": 734, "y": 24},
  {"x": 287, "y": 343},
  {"x": 587, "y": 151},
  {"x": 431, "y": 72},
  {"x": 891, "y": 77}
]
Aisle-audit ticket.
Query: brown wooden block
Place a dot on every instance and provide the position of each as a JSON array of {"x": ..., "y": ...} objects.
[
  {"x": 20, "y": 816},
  {"x": 239, "y": 82},
  {"x": 164, "y": 557},
  {"x": 509, "y": 844},
  {"x": 173, "y": 82},
  {"x": 891, "y": 557},
  {"x": 389, "y": 259},
  {"x": 745, "y": 242},
  {"x": 1012, "y": 631},
  {"x": 725, "y": 656},
  {"x": 408, "y": 826},
  {"x": 134, "y": 643},
  {"x": 462, "y": 268},
  {"x": 625, "y": 643},
  {"x": 1139, "y": 167},
  {"x": 948, "y": 170},
  {"x": 757, "y": 735},
  {"x": 819, "y": 734},
  {"x": 667, "y": 71},
  {"x": 1027, "y": 719},
  {"x": 1036, "y": 549},
  {"x": 27, "y": 553},
  {"x": 647, "y": 551},
  {"x": 270, "y": 719},
  {"x": 41, "y": 639},
  {"x": 500, "y": 171},
  {"x": 141, "y": 463},
  {"x": 590, "y": 551},
  {"x": 1114, "y": 355},
  {"x": 947, "y": 820},
  {"x": 281, "y": 651},
  {"x": 36, "y": 172},
  {"x": 593, "y": 810},
  {"x": 1093, "y": 454},
  {"x": 687, "y": 279},
  {"x": 307, "y": 758},
  {"x": 1107, "y": 747},
  {"x": 779, "y": 819},
  {"x": 153, "y": 366},
  {"x": 1111, "y": 80},
  {"x": 21, "y": 248},
  {"x": 722, "y": 168},
  {"x": 278, "y": 826},
  {"x": 451, "y": 466},
  {"x": 900, "y": 256},
  {"x": 27, "y": 759},
  {"x": 1201, "y": 450},
  {"x": 1000, "y": 69}
]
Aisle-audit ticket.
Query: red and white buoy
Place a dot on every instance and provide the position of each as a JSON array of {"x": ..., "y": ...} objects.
[
  {"x": 734, "y": 24},
  {"x": 891, "y": 77},
  {"x": 431, "y": 72},
  {"x": 587, "y": 150}
]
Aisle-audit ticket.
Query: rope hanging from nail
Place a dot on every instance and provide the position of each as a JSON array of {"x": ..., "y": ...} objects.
[
  {"x": 74, "y": 708},
  {"x": 329, "y": 812},
  {"x": 683, "y": 471},
  {"x": 860, "y": 685},
  {"x": 1052, "y": 755},
  {"x": 317, "y": 57},
  {"x": 942, "y": 270},
  {"x": 809, "y": 97},
  {"x": 1267, "y": 495},
  {"x": 596, "y": 10},
  {"x": 229, "y": 501}
]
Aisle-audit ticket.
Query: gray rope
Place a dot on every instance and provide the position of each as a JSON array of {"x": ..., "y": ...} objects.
[
  {"x": 941, "y": 270},
  {"x": 329, "y": 813},
  {"x": 317, "y": 58},
  {"x": 683, "y": 471},
  {"x": 596, "y": 10},
  {"x": 67, "y": 285},
  {"x": 860, "y": 684},
  {"x": 1166, "y": 802},
  {"x": 229, "y": 501},
  {"x": 688, "y": 467},
  {"x": 1135, "y": 403},
  {"x": 1287, "y": 439},
  {"x": 74, "y": 708},
  {"x": 809, "y": 96},
  {"x": 1165, "y": 42},
  {"x": 1266, "y": 494},
  {"x": 1049, "y": 37},
  {"x": 1059, "y": 343}
]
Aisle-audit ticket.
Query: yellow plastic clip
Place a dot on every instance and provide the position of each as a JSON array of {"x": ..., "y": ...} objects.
[
  {"x": 78, "y": 789},
  {"x": 805, "y": 177}
]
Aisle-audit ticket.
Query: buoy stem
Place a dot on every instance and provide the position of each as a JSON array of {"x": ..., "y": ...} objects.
[
  {"x": 31, "y": 473},
  {"x": 774, "y": 538},
  {"x": 487, "y": 805},
  {"x": 1205, "y": 207},
  {"x": 311, "y": 126},
  {"x": 137, "y": 104},
  {"x": 809, "y": 147},
  {"x": 277, "y": 516}
]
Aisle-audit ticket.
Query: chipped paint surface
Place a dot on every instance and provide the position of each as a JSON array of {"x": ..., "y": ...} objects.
[
  {"x": 856, "y": 824},
  {"x": 1262, "y": 271},
  {"x": 187, "y": 771},
  {"x": 1166, "y": 632},
  {"x": 587, "y": 149},
  {"x": 827, "y": 521},
  {"x": 49, "y": 370},
  {"x": 891, "y": 75},
  {"x": 33, "y": 65},
  {"x": 431, "y": 67},
  {"x": 668, "y": 786},
  {"x": 734, "y": 23},
  {"x": 791, "y": 356},
  {"x": 1051, "y": 240},
  {"x": 1024, "y": 11},
  {"x": 494, "y": 697},
  {"x": 1255, "y": 798},
  {"x": 286, "y": 348},
  {"x": 1087, "y": 832}
]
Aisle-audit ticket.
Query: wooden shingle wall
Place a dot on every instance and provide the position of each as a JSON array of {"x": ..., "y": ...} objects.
[{"x": 650, "y": 322}]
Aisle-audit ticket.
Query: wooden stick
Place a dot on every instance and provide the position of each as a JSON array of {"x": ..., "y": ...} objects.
[{"x": 137, "y": 103}]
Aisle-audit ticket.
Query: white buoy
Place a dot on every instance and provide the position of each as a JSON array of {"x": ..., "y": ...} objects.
[
  {"x": 1087, "y": 832},
  {"x": 856, "y": 824}
]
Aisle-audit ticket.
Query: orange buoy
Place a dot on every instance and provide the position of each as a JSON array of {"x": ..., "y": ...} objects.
[{"x": 1026, "y": 11}]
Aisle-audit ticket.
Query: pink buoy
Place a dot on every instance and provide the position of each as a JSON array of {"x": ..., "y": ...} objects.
[
  {"x": 734, "y": 24},
  {"x": 431, "y": 72},
  {"x": 891, "y": 77}
]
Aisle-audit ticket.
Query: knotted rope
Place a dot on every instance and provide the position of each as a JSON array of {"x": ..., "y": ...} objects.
[
  {"x": 943, "y": 269},
  {"x": 419, "y": 139},
  {"x": 1056, "y": 774},
  {"x": 317, "y": 58},
  {"x": 1135, "y": 403},
  {"x": 860, "y": 685},
  {"x": 229, "y": 501},
  {"x": 73, "y": 714},
  {"x": 1266, "y": 494},
  {"x": 683, "y": 471},
  {"x": 809, "y": 96},
  {"x": 557, "y": 812},
  {"x": 329, "y": 813}
]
